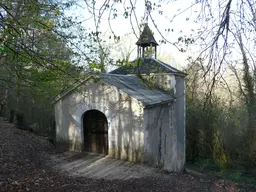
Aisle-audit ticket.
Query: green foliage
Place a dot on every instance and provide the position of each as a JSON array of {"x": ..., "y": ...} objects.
[
  {"x": 238, "y": 175},
  {"x": 36, "y": 59},
  {"x": 216, "y": 130}
]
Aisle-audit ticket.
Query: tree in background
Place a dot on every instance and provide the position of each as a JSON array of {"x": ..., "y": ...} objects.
[
  {"x": 42, "y": 49},
  {"x": 36, "y": 58}
]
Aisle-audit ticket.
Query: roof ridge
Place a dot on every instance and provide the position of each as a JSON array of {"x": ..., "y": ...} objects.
[
  {"x": 167, "y": 65},
  {"x": 114, "y": 74},
  {"x": 148, "y": 65}
]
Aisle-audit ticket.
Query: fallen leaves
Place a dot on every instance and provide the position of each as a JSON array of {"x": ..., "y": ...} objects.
[{"x": 24, "y": 167}]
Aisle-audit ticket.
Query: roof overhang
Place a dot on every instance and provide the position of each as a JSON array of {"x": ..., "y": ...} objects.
[{"x": 149, "y": 104}]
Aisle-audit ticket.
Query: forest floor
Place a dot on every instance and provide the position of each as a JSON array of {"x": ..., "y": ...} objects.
[{"x": 31, "y": 163}]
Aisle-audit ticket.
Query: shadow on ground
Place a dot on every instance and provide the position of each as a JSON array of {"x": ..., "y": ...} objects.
[
  {"x": 31, "y": 163},
  {"x": 97, "y": 166}
]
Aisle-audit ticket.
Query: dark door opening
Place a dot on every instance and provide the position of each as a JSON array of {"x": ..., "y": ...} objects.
[{"x": 95, "y": 132}]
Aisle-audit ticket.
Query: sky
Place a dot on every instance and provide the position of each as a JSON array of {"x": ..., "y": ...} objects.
[
  {"x": 182, "y": 24},
  {"x": 181, "y": 18}
]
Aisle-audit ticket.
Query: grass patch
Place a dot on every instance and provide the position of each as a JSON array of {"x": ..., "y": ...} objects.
[{"x": 240, "y": 176}]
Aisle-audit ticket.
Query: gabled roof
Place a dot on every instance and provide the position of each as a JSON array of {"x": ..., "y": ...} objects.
[
  {"x": 134, "y": 86},
  {"x": 146, "y": 66},
  {"x": 146, "y": 38},
  {"x": 138, "y": 89}
]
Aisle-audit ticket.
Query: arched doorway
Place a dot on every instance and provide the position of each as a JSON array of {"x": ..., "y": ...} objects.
[{"x": 95, "y": 127}]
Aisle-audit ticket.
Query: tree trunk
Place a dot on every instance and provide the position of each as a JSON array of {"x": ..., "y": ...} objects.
[
  {"x": 4, "y": 102},
  {"x": 249, "y": 87}
]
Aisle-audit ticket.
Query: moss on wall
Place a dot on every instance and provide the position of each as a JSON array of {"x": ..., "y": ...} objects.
[{"x": 130, "y": 155}]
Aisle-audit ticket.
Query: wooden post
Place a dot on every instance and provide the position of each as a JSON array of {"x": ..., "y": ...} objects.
[
  {"x": 155, "y": 52},
  {"x": 151, "y": 51},
  {"x": 138, "y": 52}
]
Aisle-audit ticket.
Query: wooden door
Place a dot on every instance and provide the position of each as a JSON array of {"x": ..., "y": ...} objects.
[{"x": 96, "y": 132}]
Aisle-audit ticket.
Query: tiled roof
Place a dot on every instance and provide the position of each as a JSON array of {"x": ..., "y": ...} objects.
[{"x": 138, "y": 89}]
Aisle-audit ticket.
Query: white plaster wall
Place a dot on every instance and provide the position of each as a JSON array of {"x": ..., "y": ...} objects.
[
  {"x": 134, "y": 133},
  {"x": 165, "y": 81},
  {"x": 180, "y": 116},
  {"x": 162, "y": 139},
  {"x": 124, "y": 115},
  {"x": 165, "y": 126}
]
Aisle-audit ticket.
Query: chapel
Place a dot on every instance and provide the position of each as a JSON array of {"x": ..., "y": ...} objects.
[{"x": 135, "y": 112}]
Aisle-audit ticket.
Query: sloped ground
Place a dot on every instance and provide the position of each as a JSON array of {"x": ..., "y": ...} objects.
[{"x": 30, "y": 163}]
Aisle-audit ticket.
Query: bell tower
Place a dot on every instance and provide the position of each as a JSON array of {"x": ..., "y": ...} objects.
[{"x": 146, "y": 45}]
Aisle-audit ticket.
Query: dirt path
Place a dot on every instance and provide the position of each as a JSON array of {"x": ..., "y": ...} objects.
[
  {"x": 99, "y": 167},
  {"x": 30, "y": 163}
]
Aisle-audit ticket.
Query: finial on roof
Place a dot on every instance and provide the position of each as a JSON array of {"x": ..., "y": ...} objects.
[
  {"x": 147, "y": 11},
  {"x": 146, "y": 43}
]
